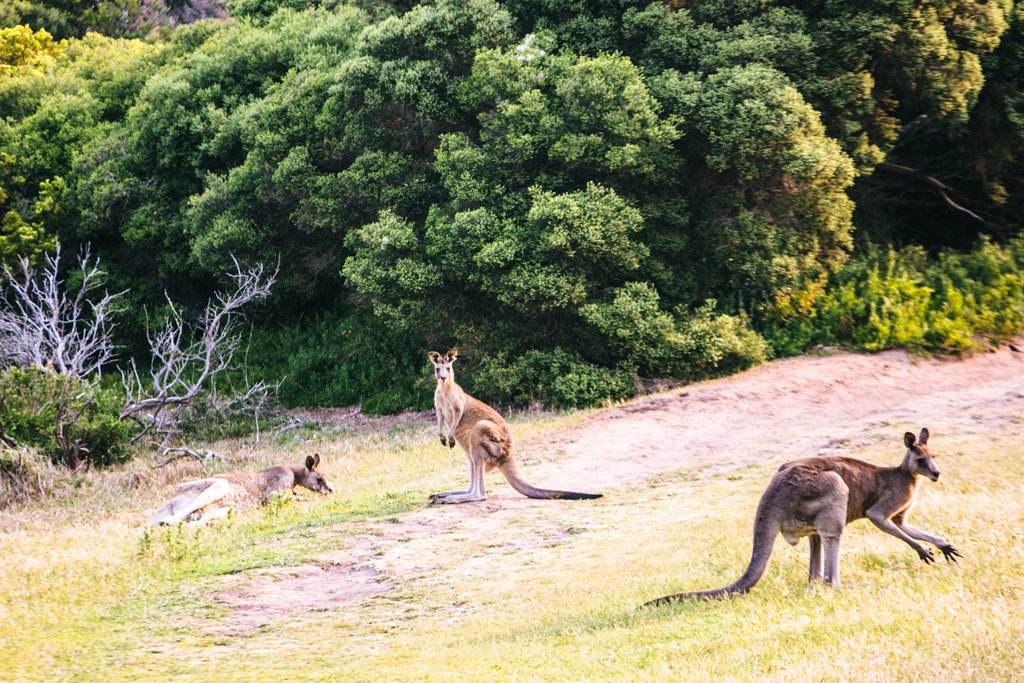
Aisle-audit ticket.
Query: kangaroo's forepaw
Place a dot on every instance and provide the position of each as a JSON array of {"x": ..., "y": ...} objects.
[
  {"x": 444, "y": 440},
  {"x": 451, "y": 442},
  {"x": 926, "y": 555},
  {"x": 950, "y": 553}
]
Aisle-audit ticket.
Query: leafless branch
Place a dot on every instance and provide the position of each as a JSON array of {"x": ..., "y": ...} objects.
[
  {"x": 181, "y": 452},
  {"x": 186, "y": 357},
  {"x": 936, "y": 185},
  {"x": 44, "y": 325}
]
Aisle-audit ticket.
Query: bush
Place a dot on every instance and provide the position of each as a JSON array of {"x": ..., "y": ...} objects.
[
  {"x": 555, "y": 378},
  {"x": 707, "y": 344},
  {"x": 69, "y": 420},
  {"x": 26, "y": 475},
  {"x": 888, "y": 298},
  {"x": 339, "y": 360}
]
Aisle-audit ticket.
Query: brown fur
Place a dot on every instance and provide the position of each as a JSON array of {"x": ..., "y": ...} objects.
[
  {"x": 207, "y": 499},
  {"x": 483, "y": 435},
  {"x": 818, "y": 497}
]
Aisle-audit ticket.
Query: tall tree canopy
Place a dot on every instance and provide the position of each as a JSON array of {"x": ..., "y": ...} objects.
[{"x": 586, "y": 189}]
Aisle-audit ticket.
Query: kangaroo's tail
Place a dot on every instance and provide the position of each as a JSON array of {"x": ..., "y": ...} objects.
[
  {"x": 511, "y": 472},
  {"x": 766, "y": 528}
]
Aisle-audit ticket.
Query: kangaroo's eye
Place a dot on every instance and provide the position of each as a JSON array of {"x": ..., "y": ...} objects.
[{"x": 920, "y": 462}]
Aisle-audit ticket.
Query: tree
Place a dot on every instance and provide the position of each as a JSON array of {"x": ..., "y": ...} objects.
[
  {"x": 186, "y": 359},
  {"x": 43, "y": 325},
  {"x": 57, "y": 341}
]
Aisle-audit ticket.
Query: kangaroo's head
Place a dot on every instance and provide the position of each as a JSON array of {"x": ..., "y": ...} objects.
[
  {"x": 311, "y": 478},
  {"x": 443, "y": 364},
  {"x": 918, "y": 460}
]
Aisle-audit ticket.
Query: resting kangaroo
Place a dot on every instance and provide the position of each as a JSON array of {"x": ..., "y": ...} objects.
[
  {"x": 208, "y": 499},
  {"x": 817, "y": 497},
  {"x": 482, "y": 433}
]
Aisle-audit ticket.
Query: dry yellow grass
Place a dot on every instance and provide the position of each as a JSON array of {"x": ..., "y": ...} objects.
[{"x": 87, "y": 594}]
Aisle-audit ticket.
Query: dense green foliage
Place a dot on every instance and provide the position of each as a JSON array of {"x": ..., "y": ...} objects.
[
  {"x": 340, "y": 361},
  {"x": 64, "y": 418},
  {"x": 577, "y": 194},
  {"x": 887, "y": 299}
]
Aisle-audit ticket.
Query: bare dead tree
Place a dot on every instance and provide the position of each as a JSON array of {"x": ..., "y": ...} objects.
[
  {"x": 67, "y": 333},
  {"x": 44, "y": 325},
  {"x": 186, "y": 358}
]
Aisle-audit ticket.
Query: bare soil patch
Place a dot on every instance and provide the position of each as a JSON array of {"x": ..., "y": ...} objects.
[
  {"x": 785, "y": 409},
  {"x": 294, "y": 591}
]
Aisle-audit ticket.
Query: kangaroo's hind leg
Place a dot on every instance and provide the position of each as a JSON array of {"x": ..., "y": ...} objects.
[
  {"x": 477, "y": 489},
  {"x": 830, "y": 522},
  {"x": 814, "y": 570},
  {"x": 190, "y": 497},
  {"x": 214, "y": 513}
]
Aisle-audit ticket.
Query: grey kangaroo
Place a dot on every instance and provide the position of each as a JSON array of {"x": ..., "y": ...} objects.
[
  {"x": 483, "y": 435},
  {"x": 204, "y": 500},
  {"x": 817, "y": 497}
]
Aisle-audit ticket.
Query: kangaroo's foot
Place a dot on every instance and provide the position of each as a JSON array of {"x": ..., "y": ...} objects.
[
  {"x": 445, "y": 494},
  {"x": 950, "y": 553},
  {"x": 459, "y": 498}
]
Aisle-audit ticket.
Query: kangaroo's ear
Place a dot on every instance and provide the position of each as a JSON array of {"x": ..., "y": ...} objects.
[
  {"x": 434, "y": 357},
  {"x": 452, "y": 355},
  {"x": 909, "y": 439},
  {"x": 923, "y": 439},
  {"x": 316, "y": 460},
  {"x": 310, "y": 463}
]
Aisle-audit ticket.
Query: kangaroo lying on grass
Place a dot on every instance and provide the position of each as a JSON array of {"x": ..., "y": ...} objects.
[
  {"x": 482, "y": 433},
  {"x": 817, "y": 497},
  {"x": 208, "y": 499}
]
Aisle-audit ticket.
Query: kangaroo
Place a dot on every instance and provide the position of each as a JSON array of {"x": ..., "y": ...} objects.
[
  {"x": 204, "y": 500},
  {"x": 483, "y": 435},
  {"x": 817, "y": 497}
]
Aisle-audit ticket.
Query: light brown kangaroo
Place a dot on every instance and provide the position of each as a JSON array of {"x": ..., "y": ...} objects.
[
  {"x": 818, "y": 497},
  {"x": 483, "y": 435},
  {"x": 204, "y": 500}
]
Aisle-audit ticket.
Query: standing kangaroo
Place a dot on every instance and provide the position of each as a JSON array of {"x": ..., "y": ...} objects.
[
  {"x": 483, "y": 435},
  {"x": 818, "y": 497},
  {"x": 208, "y": 499}
]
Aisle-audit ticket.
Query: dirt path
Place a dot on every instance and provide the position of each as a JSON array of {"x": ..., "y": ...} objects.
[{"x": 780, "y": 410}]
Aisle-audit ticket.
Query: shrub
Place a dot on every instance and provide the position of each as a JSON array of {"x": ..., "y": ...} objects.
[
  {"x": 71, "y": 421},
  {"x": 707, "y": 344},
  {"x": 25, "y": 475},
  {"x": 338, "y": 360},
  {"x": 887, "y": 298},
  {"x": 556, "y": 378}
]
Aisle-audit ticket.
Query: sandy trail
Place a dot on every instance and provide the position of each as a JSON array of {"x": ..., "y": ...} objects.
[
  {"x": 780, "y": 410},
  {"x": 797, "y": 406}
]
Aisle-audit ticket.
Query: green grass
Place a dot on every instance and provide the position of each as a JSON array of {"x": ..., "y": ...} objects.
[{"x": 542, "y": 591}]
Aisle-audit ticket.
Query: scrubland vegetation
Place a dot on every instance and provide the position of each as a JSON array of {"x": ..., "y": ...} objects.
[
  {"x": 286, "y": 204},
  {"x": 605, "y": 192}
]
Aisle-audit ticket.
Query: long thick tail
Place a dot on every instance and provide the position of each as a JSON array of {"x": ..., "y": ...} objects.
[
  {"x": 511, "y": 472},
  {"x": 766, "y": 528}
]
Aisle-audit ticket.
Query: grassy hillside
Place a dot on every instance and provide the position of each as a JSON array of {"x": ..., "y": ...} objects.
[{"x": 529, "y": 591}]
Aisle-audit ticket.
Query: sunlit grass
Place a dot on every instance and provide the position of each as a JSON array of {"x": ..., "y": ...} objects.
[{"x": 87, "y": 594}]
